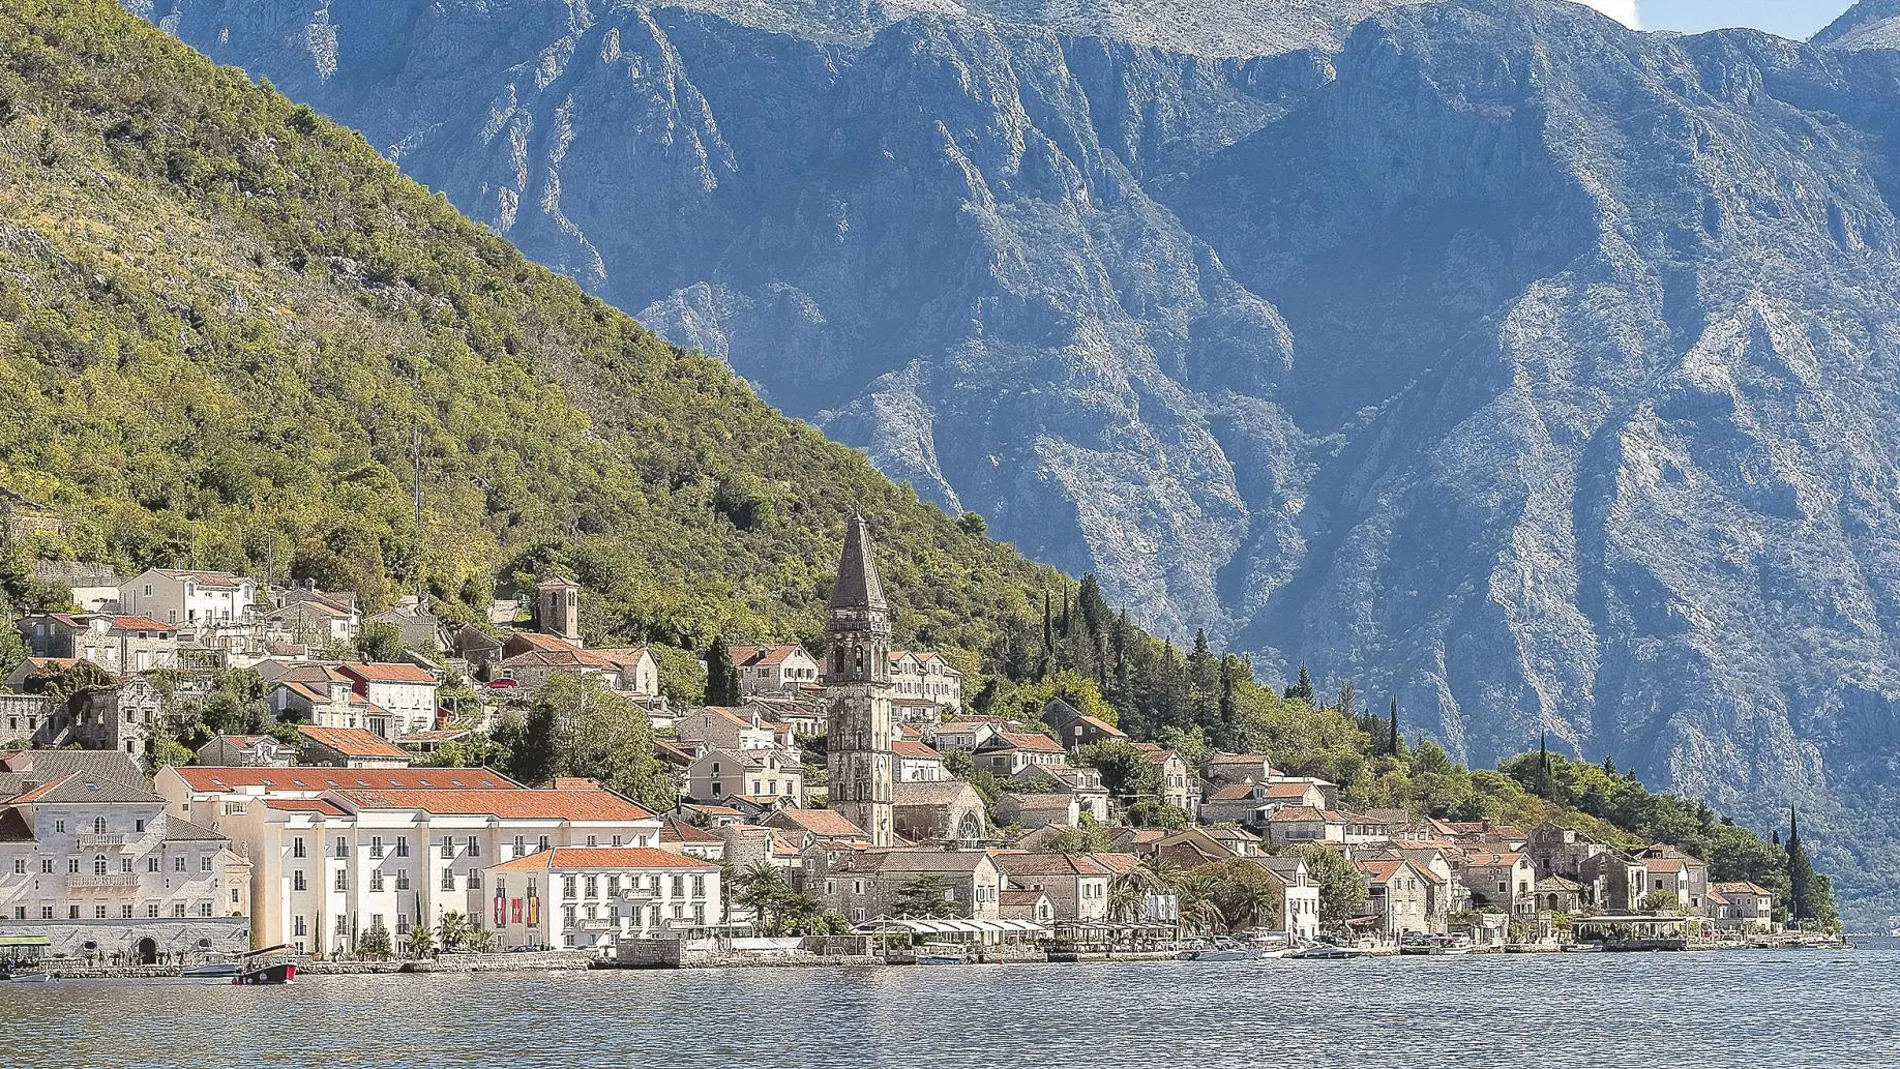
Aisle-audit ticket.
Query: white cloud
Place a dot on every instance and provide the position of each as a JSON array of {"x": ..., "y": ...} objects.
[{"x": 1623, "y": 11}]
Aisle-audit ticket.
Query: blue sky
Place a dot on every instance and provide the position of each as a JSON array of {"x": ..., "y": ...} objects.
[{"x": 1789, "y": 18}]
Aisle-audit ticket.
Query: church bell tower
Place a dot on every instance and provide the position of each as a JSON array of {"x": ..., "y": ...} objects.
[{"x": 858, "y": 685}]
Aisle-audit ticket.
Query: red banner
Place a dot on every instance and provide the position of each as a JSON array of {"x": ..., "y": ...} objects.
[{"x": 515, "y": 905}]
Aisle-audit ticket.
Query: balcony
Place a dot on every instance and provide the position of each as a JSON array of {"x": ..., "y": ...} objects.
[
  {"x": 110, "y": 882},
  {"x": 597, "y": 924},
  {"x": 90, "y": 840}
]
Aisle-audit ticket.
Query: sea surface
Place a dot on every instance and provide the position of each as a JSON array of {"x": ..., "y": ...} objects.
[{"x": 1681, "y": 1011}]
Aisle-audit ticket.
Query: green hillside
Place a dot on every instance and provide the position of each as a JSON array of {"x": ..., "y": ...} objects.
[{"x": 223, "y": 319}]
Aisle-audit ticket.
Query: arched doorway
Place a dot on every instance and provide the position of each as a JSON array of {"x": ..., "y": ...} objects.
[{"x": 148, "y": 951}]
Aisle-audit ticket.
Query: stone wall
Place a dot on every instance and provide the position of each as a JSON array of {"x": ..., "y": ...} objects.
[{"x": 118, "y": 941}]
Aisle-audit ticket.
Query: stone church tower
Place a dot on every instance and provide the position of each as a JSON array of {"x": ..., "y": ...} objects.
[{"x": 858, "y": 685}]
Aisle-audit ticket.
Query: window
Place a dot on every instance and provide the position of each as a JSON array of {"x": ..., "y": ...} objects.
[
  {"x": 699, "y": 916},
  {"x": 402, "y": 924},
  {"x": 46, "y": 865},
  {"x": 19, "y": 866},
  {"x": 178, "y": 863},
  {"x": 298, "y": 882},
  {"x": 59, "y": 826},
  {"x": 342, "y": 880},
  {"x": 297, "y": 848},
  {"x": 72, "y": 864},
  {"x": 593, "y": 841},
  {"x": 699, "y": 887},
  {"x": 474, "y": 879},
  {"x": 376, "y": 846},
  {"x": 375, "y": 879},
  {"x": 448, "y": 848},
  {"x": 567, "y": 916},
  {"x": 402, "y": 879},
  {"x": 593, "y": 886},
  {"x": 178, "y": 909},
  {"x": 616, "y": 841},
  {"x": 567, "y": 887},
  {"x": 46, "y": 912},
  {"x": 342, "y": 846},
  {"x": 204, "y": 909},
  {"x": 448, "y": 879},
  {"x": 402, "y": 846},
  {"x": 678, "y": 886},
  {"x": 474, "y": 847},
  {"x": 98, "y": 825},
  {"x": 613, "y": 886},
  {"x": 98, "y": 913},
  {"x": 521, "y": 846},
  {"x": 151, "y": 863},
  {"x": 376, "y": 920},
  {"x": 99, "y": 865},
  {"x": 19, "y": 913},
  {"x": 204, "y": 863},
  {"x": 542, "y": 844},
  {"x": 300, "y": 926},
  {"x": 125, "y": 865},
  {"x": 138, "y": 826}
]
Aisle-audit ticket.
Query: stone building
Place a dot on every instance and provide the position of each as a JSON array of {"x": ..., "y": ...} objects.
[
  {"x": 118, "y": 644},
  {"x": 858, "y": 681}
]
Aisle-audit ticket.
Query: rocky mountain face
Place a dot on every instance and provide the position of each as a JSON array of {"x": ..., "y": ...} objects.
[
  {"x": 1868, "y": 24},
  {"x": 1541, "y": 373}
]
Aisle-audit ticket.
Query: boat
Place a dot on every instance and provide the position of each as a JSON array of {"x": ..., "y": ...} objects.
[
  {"x": 29, "y": 977},
  {"x": 1326, "y": 952},
  {"x": 281, "y": 972},
  {"x": 211, "y": 970},
  {"x": 941, "y": 954}
]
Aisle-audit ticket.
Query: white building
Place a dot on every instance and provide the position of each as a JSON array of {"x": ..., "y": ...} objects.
[
  {"x": 773, "y": 670},
  {"x": 98, "y": 867},
  {"x": 926, "y": 676},
  {"x": 918, "y": 763},
  {"x": 767, "y": 777},
  {"x": 406, "y": 691},
  {"x": 400, "y": 848},
  {"x": 581, "y": 897},
  {"x": 183, "y": 597}
]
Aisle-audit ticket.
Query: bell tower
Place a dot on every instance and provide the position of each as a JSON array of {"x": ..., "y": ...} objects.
[{"x": 858, "y": 686}]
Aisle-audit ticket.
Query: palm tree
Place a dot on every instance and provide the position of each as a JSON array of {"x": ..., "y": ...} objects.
[
  {"x": 1127, "y": 894},
  {"x": 421, "y": 941},
  {"x": 453, "y": 931},
  {"x": 763, "y": 890},
  {"x": 1199, "y": 910}
]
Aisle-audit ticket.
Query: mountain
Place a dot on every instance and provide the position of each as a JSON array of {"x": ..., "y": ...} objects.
[
  {"x": 1535, "y": 371},
  {"x": 1868, "y": 24},
  {"x": 228, "y": 329}
]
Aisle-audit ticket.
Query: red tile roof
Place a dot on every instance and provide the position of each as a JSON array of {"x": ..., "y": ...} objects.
[
  {"x": 390, "y": 672},
  {"x": 1026, "y": 741},
  {"x": 312, "y": 780},
  {"x": 603, "y": 858},
  {"x": 914, "y": 750},
  {"x": 761, "y": 656},
  {"x": 353, "y": 742},
  {"x": 591, "y": 806},
  {"x": 824, "y": 823}
]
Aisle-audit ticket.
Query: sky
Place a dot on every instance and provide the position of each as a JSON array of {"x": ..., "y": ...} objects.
[{"x": 1789, "y": 18}]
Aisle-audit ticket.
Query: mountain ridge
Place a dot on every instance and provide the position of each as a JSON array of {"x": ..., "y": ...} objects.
[{"x": 1472, "y": 357}]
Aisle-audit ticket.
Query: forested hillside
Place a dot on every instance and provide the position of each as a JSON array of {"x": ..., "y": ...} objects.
[{"x": 224, "y": 321}]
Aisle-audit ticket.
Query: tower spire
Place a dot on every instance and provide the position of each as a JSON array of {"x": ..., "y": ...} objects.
[
  {"x": 858, "y": 585},
  {"x": 859, "y": 731}
]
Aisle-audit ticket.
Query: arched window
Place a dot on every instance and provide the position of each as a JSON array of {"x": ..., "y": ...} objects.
[
  {"x": 98, "y": 825},
  {"x": 99, "y": 865}
]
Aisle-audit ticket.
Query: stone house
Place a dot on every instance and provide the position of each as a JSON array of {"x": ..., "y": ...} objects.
[
  {"x": 1077, "y": 729},
  {"x": 1076, "y": 884},
  {"x": 1038, "y": 810},
  {"x": 245, "y": 751},
  {"x": 1082, "y": 784},
  {"x": 766, "y": 775},
  {"x": 868, "y": 885},
  {"x": 1556, "y": 894},
  {"x": 406, "y": 690},
  {"x": 965, "y": 734},
  {"x": 348, "y": 748},
  {"x": 1295, "y": 825},
  {"x": 1742, "y": 906},
  {"x": 1226, "y": 768},
  {"x": 1398, "y": 894},
  {"x": 917, "y": 676},
  {"x": 1006, "y": 753},
  {"x": 1559, "y": 851},
  {"x": 1178, "y": 787},
  {"x": 1297, "y": 904},
  {"x": 777, "y": 671},
  {"x": 420, "y": 628},
  {"x": 119, "y": 644},
  {"x": 917, "y": 762},
  {"x": 1501, "y": 880},
  {"x": 720, "y": 727},
  {"x": 1670, "y": 871}
]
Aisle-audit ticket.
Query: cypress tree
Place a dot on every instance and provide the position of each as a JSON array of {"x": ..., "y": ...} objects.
[
  {"x": 1398, "y": 740},
  {"x": 1303, "y": 689},
  {"x": 1229, "y": 710},
  {"x": 1800, "y": 874},
  {"x": 722, "y": 679}
]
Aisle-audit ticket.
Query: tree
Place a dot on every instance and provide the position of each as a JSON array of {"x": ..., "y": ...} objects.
[
  {"x": 722, "y": 679},
  {"x": 574, "y": 726},
  {"x": 421, "y": 942},
  {"x": 379, "y": 641},
  {"x": 1127, "y": 773},
  {"x": 763, "y": 890},
  {"x": 453, "y": 931},
  {"x": 1302, "y": 689},
  {"x": 1659, "y": 902},
  {"x": 1395, "y": 742},
  {"x": 1342, "y": 890},
  {"x": 1800, "y": 874},
  {"x": 374, "y": 943},
  {"x": 924, "y": 898}
]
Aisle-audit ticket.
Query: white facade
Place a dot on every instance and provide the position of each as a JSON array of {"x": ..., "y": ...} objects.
[
  {"x": 773, "y": 670},
  {"x": 580, "y": 898},
  {"x": 405, "y": 691},
  {"x": 926, "y": 676},
  {"x": 85, "y": 856},
  {"x": 181, "y": 597},
  {"x": 330, "y": 864}
]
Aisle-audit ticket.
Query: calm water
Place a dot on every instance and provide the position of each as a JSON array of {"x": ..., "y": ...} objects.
[{"x": 1681, "y": 1011}]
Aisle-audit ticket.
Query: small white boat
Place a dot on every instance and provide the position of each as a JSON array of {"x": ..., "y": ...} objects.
[
  {"x": 1326, "y": 952},
  {"x": 29, "y": 977},
  {"x": 941, "y": 954}
]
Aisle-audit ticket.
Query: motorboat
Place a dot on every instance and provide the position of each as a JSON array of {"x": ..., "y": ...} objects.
[
  {"x": 1326, "y": 952},
  {"x": 29, "y": 977},
  {"x": 941, "y": 954},
  {"x": 281, "y": 972},
  {"x": 211, "y": 970}
]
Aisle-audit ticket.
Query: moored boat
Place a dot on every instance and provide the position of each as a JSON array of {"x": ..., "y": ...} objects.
[
  {"x": 211, "y": 970},
  {"x": 281, "y": 972}
]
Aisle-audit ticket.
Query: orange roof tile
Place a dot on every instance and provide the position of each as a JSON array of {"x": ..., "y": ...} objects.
[
  {"x": 352, "y": 742},
  {"x": 914, "y": 750},
  {"x": 592, "y": 806},
  {"x": 312, "y": 780},
  {"x": 389, "y": 672}
]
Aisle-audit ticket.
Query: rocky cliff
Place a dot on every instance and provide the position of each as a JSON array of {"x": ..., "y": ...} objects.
[{"x": 1539, "y": 372}]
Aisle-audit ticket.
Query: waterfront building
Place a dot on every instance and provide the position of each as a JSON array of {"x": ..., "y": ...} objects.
[
  {"x": 868, "y": 883},
  {"x": 1501, "y": 880},
  {"x": 97, "y": 866},
  {"x": 1398, "y": 897},
  {"x": 857, "y": 680},
  {"x": 590, "y": 898},
  {"x": 1297, "y": 897},
  {"x": 1076, "y": 884},
  {"x": 336, "y": 852}
]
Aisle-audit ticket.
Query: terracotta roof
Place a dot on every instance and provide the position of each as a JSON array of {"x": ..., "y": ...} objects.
[
  {"x": 761, "y": 656},
  {"x": 603, "y": 858},
  {"x": 140, "y": 623},
  {"x": 312, "y": 780},
  {"x": 1015, "y": 865},
  {"x": 1288, "y": 790},
  {"x": 1494, "y": 860},
  {"x": 1103, "y": 726},
  {"x": 1302, "y": 813},
  {"x": 1384, "y": 871},
  {"x": 673, "y": 829},
  {"x": 517, "y": 804},
  {"x": 824, "y": 823},
  {"x": 916, "y": 751},
  {"x": 390, "y": 672},
  {"x": 1023, "y": 741},
  {"x": 1233, "y": 793},
  {"x": 1741, "y": 888},
  {"x": 305, "y": 805},
  {"x": 353, "y": 742}
]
